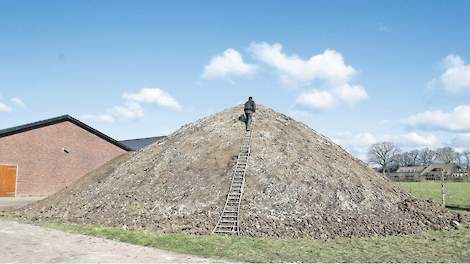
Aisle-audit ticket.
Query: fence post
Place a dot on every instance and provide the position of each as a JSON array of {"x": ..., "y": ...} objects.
[{"x": 443, "y": 194}]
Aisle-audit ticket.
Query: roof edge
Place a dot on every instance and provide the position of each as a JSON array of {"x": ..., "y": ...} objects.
[{"x": 59, "y": 119}]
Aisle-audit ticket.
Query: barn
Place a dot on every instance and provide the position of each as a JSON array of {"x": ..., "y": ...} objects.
[{"x": 43, "y": 157}]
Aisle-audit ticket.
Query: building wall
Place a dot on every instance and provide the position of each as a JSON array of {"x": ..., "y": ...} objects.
[{"x": 43, "y": 165}]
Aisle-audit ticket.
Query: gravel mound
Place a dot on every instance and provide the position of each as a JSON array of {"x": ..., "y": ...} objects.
[{"x": 299, "y": 184}]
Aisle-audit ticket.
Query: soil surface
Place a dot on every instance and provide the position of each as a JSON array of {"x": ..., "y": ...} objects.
[
  {"x": 23, "y": 243},
  {"x": 11, "y": 203},
  {"x": 298, "y": 184}
]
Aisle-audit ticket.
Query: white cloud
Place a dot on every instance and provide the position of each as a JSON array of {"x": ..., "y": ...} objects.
[
  {"x": 414, "y": 139},
  {"x": 358, "y": 140},
  {"x": 326, "y": 70},
  {"x": 351, "y": 94},
  {"x": 358, "y": 144},
  {"x": 5, "y": 108},
  {"x": 323, "y": 100},
  {"x": 132, "y": 106},
  {"x": 318, "y": 100},
  {"x": 106, "y": 118},
  {"x": 461, "y": 141},
  {"x": 18, "y": 101},
  {"x": 153, "y": 95},
  {"x": 456, "y": 77},
  {"x": 457, "y": 120},
  {"x": 328, "y": 66},
  {"x": 130, "y": 110},
  {"x": 228, "y": 64},
  {"x": 8, "y": 108}
]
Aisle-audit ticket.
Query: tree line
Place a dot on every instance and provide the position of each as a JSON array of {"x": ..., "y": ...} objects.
[{"x": 388, "y": 157}]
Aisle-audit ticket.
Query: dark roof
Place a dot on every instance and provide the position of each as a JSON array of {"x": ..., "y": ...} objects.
[
  {"x": 410, "y": 169},
  {"x": 52, "y": 121},
  {"x": 449, "y": 167},
  {"x": 139, "y": 143}
]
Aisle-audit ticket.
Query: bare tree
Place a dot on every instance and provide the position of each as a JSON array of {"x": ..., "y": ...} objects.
[
  {"x": 426, "y": 156},
  {"x": 413, "y": 157},
  {"x": 466, "y": 159},
  {"x": 382, "y": 154},
  {"x": 408, "y": 158},
  {"x": 402, "y": 159},
  {"x": 446, "y": 155},
  {"x": 459, "y": 159}
]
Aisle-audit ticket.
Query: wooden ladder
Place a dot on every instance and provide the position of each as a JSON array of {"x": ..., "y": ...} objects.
[{"x": 229, "y": 221}]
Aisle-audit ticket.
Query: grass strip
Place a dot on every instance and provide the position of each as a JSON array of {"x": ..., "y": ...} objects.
[{"x": 431, "y": 246}]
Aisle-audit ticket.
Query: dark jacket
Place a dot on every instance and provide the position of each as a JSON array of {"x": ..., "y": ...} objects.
[{"x": 250, "y": 106}]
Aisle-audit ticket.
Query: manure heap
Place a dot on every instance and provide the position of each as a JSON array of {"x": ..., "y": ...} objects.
[{"x": 298, "y": 184}]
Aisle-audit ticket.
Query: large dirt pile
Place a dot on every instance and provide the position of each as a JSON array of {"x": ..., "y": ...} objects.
[{"x": 299, "y": 184}]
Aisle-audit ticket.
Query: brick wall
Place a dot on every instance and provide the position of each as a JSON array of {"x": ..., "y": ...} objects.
[{"x": 43, "y": 165}]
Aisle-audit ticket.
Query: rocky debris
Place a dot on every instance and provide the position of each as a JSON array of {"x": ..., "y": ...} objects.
[{"x": 298, "y": 184}]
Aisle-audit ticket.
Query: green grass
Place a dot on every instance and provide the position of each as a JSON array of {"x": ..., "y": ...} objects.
[
  {"x": 431, "y": 246},
  {"x": 457, "y": 193}
]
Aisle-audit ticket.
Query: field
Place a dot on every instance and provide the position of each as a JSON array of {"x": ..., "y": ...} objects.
[
  {"x": 457, "y": 193},
  {"x": 431, "y": 246}
]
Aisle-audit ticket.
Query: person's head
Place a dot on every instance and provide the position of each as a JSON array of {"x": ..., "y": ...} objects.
[{"x": 250, "y": 98}]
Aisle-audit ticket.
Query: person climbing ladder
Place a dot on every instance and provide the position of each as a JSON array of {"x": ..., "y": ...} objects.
[{"x": 250, "y": 108}]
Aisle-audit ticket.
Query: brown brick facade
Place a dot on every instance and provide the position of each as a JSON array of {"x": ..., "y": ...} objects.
[{"x": 44, "y": 166}]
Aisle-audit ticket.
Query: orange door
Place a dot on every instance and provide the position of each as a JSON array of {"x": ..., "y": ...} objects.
[{"x": 7, "y": 180}]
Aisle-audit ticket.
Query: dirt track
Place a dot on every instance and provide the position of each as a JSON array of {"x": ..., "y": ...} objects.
[
  {"x": 22, "y": 243},
  {"x": 10, "y": 203}
]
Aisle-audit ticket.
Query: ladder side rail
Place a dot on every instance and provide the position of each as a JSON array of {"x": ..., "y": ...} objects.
[
  {"x": 230, "y": 190},
  {"x": 226, "y": 199},
  {"x": 245, "y": 150},
  {"x": 244, "y": 177}
]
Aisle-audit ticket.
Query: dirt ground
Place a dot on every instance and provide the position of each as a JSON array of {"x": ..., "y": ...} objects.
[
  {"x": 23, "y": 243},
  {"x": 10, "y": 203},
  {"x": 299, "y": 184}
]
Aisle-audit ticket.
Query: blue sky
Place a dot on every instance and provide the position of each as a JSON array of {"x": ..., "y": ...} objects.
[{"x": 357, "y": 71}]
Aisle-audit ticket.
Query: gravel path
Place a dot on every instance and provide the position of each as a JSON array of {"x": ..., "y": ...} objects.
[
  {"x": 23, "y": 243},
  {"x": 10, "y": 203}
]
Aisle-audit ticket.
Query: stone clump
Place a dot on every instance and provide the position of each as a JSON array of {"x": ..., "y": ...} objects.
[{"x": 298, "y": 184}]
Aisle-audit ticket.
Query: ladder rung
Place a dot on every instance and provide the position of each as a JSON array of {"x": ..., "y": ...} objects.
[
  {"x": 228, "y": 221},
  {"x": 230, "y": 216},
  {"x": 228, "y": 226},
  {"x": 225, "y": 231}
]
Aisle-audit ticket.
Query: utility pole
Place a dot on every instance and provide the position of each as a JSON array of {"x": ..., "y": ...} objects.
[{"x": 443, "y": 193}]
